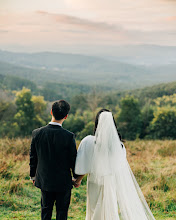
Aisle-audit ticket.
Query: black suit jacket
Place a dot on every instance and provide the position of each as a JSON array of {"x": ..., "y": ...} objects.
[{"x": 52, "y": 157}]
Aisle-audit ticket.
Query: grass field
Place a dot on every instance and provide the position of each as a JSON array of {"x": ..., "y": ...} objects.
[{"x": 153, "y": 163}]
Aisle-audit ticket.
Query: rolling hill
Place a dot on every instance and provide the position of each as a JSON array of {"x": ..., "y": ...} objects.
[{"x": 92, "y": 71}]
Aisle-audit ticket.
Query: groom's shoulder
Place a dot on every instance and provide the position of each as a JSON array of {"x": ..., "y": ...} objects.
[
  {"x": 36, "y": 131},
  {"x": 69, "y": 133}
]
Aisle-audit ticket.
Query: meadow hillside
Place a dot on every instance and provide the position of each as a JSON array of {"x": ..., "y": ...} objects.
[{"x": 153, "y": 163}]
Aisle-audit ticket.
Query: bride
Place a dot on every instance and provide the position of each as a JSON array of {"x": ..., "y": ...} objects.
[{"x": 112, "y": 190}]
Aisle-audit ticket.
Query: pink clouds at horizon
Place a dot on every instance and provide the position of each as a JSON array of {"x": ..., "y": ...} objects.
[
  {"x": 43, "y": 28},
  {"x": 43, "y": 25}
]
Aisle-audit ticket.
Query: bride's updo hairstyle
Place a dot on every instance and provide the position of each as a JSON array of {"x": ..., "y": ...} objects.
[{"x": 97, "y": 118}]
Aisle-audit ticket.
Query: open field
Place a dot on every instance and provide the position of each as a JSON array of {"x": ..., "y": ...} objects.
[{"x": 153, "y": 163}]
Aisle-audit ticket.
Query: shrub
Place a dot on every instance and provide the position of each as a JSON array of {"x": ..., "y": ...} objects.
[
  {"x": 129, "y": 120},
  {"x": 164, "y": 124}
]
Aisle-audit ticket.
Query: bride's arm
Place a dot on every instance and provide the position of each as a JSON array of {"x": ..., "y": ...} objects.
[
  {"x": 83, "y": 160},
  {"x": 84, "y": 156}
]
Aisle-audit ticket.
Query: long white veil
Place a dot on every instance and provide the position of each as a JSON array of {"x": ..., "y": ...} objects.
[{"x": 111, "y": 170}]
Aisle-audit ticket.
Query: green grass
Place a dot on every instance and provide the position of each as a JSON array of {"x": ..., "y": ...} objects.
[
  {"x": 26, "y": 204},
  {"x": 153, "y": 163}
]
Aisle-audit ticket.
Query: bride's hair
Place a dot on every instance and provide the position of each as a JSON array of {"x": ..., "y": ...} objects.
[{"x": 97, "y": 118}]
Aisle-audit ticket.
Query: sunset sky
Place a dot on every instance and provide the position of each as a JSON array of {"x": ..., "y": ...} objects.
[{"x": 85, "y": 25}]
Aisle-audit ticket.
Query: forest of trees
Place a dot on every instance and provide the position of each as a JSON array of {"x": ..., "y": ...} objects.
[{"x": 150, "y": 117}]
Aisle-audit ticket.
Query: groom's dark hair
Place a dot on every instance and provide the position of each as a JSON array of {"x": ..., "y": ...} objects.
[{"x": 60, "y": 109}]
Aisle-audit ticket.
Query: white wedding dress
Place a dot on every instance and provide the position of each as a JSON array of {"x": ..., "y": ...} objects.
[{"x": 112, "y": 190}]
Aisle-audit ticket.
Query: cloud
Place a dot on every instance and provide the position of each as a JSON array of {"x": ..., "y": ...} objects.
[
  {"x": 43, "y": 29},
  {"x": 145, "y": 15},
  {"x": 3, "y": 31},
  {"x": 80, "y": 23},
  {"x": 52, "y": 22}
]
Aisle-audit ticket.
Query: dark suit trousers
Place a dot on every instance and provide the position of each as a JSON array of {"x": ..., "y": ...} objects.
[{"x": 62, "y": 200}]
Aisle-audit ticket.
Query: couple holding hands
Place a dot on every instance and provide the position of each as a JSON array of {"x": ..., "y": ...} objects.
[{"x": 55, "y": 165}]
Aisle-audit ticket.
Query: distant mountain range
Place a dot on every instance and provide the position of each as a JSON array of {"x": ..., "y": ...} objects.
[
  {"x": 143, "y": 54},
  {"x": 90, "y": 70}
]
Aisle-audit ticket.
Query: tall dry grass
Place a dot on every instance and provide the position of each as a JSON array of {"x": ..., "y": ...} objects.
[{"x": 153, "y": 164}]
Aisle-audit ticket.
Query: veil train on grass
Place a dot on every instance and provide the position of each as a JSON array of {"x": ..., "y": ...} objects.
[{"x": 110, "y": 169}]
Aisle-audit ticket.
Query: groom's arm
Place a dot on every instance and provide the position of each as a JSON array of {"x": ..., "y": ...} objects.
[
  {"x": 33, "y": 159},
  {"x": 72, "y": 155}
]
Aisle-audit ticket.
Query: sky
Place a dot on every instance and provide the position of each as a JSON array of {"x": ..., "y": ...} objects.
[{"x": 85, "y": 26}]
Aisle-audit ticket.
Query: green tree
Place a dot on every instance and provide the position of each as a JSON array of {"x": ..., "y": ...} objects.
[
  {"x": 88, "y": 130},
  {"x": 25, "y": 112},
  {"x": 39, "y": 110},
  {"x": 74, "y": 123},
  {"x": 147, "y": 115},
  {"x": 39, "y": 104},
  {"x": 129, "y": 120},
  {"x": 8, "y": 126},
  {"x": 163, "y": 125},
  {"x": 79, "y": 102}
]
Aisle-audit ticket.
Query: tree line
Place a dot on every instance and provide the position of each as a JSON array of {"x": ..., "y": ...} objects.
[{"x": 154, "y": 119}]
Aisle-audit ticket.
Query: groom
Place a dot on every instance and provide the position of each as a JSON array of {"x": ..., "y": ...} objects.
[{"x": 52, "y": 157}]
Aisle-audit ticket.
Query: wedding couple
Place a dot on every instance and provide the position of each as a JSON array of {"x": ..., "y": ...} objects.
[{"x": 112, "y": 190}]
